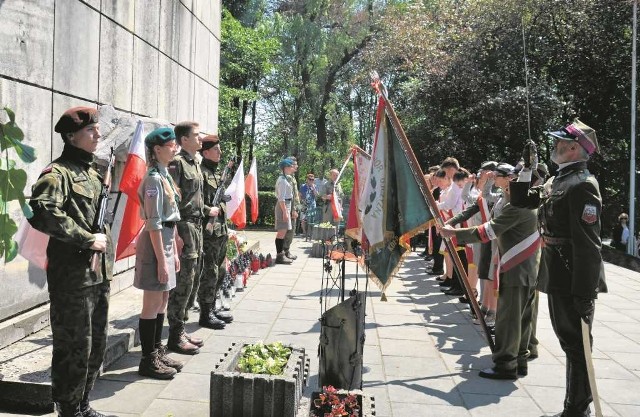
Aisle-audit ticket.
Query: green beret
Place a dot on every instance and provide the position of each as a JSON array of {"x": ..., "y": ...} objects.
[
  {"x": 75, "y": 119},
  {"x": 286, "y": 162},
  {"x": 160, "y": 136}
]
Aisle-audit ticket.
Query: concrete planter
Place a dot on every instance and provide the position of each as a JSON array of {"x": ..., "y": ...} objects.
[
  {"x": 234, "y": 393},
  {"x": 366, "y": 402},
  {"x": 317, "y": 249}
]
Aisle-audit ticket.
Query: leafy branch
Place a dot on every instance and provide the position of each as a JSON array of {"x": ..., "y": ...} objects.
[{"x": 12, "y": 182}]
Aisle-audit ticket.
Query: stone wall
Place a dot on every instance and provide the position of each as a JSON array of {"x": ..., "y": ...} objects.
[{"x": 157, "y": 59}]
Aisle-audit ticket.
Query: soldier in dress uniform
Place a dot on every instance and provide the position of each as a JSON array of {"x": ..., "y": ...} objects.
[
  {"x": 65, "y": 203},
  {"x": 186, "y": 174},
  {"x": 215, "y": 236},
  {"x": 516, "y": 233},
  {"x": 571, "y": 270}
]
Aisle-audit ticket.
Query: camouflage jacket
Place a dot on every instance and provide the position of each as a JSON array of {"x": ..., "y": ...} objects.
[
  {"x": 187, "y": 176},
  {"x": 64, "y": 202},
  {"x": 212, "y": 180}
]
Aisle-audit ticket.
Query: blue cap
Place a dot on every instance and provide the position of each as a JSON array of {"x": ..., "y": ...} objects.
[
  {"x": 286, "y": 162},
  {"x": 159, "y": 136}
]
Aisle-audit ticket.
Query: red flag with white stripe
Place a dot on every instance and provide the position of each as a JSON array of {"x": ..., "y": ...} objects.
[{"x": 251, "y": 188}]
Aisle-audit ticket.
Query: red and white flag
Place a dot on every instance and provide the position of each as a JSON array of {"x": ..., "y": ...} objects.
[
  {"x": 251, "y": 188},
  {"x": 237, "y": 207},
  {"x": 361, "y": 161},
  {"x": 130, "y": 224}
]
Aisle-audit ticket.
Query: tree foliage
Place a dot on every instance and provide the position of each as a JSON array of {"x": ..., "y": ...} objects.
[{"x": 456, "y": 74}]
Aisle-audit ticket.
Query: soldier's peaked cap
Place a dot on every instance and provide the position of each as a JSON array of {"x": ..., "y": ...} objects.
[
  {"x": 578, "y": 132},
  {"x": 75, "y": 119},
  {"x": 159, "y": 136}
]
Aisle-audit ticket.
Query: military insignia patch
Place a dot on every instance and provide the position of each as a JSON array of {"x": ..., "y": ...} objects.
[
  {"x": 151, "y": 192},
  {"x": 589, "y": 214}
]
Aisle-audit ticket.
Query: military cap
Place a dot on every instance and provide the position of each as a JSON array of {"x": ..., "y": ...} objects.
[
  {"x": 286, "y": 162},
  {"x": 578, "y": 132},
  {"x": 159, "y": 136},
  {"x": 503, "y": 169},
  {"x": 210, "y": 141},
  {"x": 75, "y": 119}
]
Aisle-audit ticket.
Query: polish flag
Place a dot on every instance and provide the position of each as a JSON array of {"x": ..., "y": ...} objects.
[
  {"x": 251, "y": 188},
  {"x": 130, "y": 224},
  {"x": 236, "y": 207}
]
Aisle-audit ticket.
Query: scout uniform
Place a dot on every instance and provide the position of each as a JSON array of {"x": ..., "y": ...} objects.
[
  {"x": 284, "y": 192},
  {"x": 571, "y": 270},
  {"x": 65, "y": 203},
  {"x": 288, "y": 238},
  {"x": 187, "y": 176},
  {"x": 216, "y": 236},
  {"x": 159, "y": 209}
]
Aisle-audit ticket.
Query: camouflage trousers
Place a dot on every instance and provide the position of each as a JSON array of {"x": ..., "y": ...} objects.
[
  {"x": 79, "y": 320},
  {"x": 191, "y": 234},
  {"x": 213, "y": 269}
]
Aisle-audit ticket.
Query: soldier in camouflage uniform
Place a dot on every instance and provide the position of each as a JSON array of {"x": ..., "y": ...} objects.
[
  {"x": 288, "y": 238},
  {"x": 65, "y": 202},
  {"x": 215, "y": 238},
  {"x": 571, "y": 271},
  {"x": 186, "y": 174}
]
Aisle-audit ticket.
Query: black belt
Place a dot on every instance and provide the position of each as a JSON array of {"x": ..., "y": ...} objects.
[
  {"x": 192, "y": 219},
  {"x": 170, "y": 225},
  {"x": 287, "y": 199},
  {"x": 556, "y": 241}
]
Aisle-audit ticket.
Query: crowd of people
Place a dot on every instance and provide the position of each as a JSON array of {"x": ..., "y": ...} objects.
[
  {"x": 180, "y": 252},
  {"x": 515, "y": 232},
  {"x": 295, "y": 205}
]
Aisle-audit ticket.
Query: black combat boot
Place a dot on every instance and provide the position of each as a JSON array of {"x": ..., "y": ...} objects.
[
  {"x": 68, "y": 410},
  {"x": 86, "y": 410},
  {"x": 152, "y": 367},
  {"x": 208, "y": 318},
  {"x": 225, "y": 316}
]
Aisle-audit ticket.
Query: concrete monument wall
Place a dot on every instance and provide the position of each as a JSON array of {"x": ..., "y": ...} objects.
[{"x": 153, "y": 59}]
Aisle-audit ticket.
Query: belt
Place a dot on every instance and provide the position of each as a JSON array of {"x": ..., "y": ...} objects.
[
  {"x": 287, "y": 199},
  {"x": 556, "y": 241},
  {"x": 170, "y": 225},
  {"x": 192, "y": 219}
]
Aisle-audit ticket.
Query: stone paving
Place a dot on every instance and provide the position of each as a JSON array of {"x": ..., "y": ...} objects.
[{"x": 422, "y": 353}]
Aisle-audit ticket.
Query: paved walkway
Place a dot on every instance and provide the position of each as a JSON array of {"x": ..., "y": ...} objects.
[{"x": 422, "y": 352}]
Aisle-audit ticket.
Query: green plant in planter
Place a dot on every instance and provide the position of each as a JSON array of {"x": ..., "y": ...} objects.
[
  {"x": 331, "y": 403},
  {"x": 264, "y": 359},
  {"x": 12, "y": 182}
]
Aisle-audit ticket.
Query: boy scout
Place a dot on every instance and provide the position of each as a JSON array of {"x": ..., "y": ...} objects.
[
  {"x": 571, "y": 270},
  {"x": 288, "y": 238},
  {"x": 64, "y": 202}
]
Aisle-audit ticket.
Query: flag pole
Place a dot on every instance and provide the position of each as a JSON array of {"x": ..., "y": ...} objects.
[
  {"x": 424, "y": 189},
  {"x": 344, "y": 165}
]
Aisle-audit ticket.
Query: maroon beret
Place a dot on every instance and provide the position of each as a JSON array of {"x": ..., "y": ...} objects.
[
  {"x": 75, "y": 119},
  {"x": 209, "y": 141}
]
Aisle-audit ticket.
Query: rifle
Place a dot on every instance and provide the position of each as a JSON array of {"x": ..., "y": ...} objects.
[
  {"x": 103, "y": 202},
  {"x": 220, "y": 196}
]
